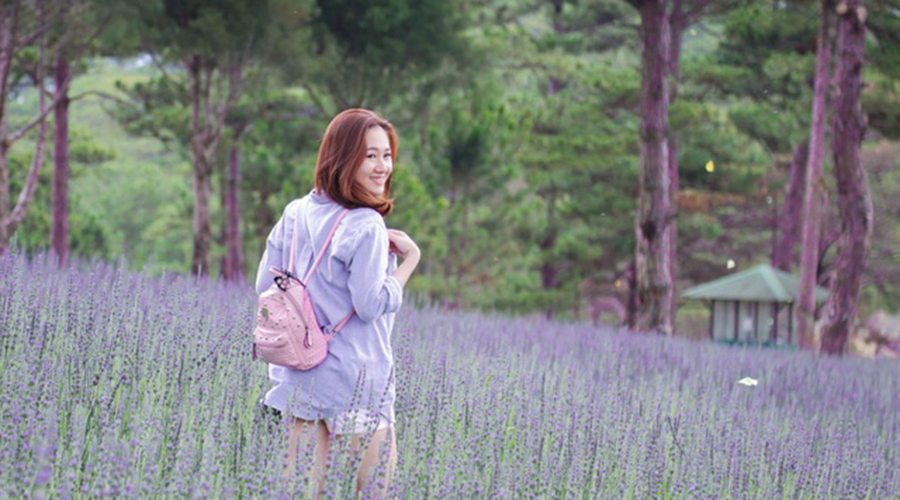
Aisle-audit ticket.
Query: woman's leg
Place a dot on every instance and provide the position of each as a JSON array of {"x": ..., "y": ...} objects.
[
  {"x": 371, "y": 457},
  {"x": 302, "y": 432}
]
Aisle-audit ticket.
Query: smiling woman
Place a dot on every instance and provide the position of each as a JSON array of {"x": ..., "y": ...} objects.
[
  {"x": 356, "y": 159},
  {"x": 375, "y": 171},
  {"x": 351, "y": 393}
]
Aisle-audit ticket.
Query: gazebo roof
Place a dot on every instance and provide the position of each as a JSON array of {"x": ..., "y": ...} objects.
[{"x": 762, "y": 283}]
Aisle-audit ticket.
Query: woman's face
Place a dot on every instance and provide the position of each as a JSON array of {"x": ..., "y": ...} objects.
[{"x": 378, "y": 164}]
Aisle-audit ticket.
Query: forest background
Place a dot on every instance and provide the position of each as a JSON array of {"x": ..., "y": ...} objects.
[{"x": 520, "y": 137}]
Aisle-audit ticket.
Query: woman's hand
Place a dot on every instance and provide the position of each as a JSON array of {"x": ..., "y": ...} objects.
[
  {"x": 402, "y": 244},
  {"x": 405, "y": 247}
]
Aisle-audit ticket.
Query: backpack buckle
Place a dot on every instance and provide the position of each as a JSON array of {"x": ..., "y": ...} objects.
[{"x": 283, "y": 280}]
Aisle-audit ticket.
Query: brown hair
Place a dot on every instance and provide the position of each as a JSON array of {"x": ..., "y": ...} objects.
[{"x": 343, "y": 151}]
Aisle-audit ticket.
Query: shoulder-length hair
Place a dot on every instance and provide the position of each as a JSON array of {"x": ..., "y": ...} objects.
[{"x": 343, "y": 151}]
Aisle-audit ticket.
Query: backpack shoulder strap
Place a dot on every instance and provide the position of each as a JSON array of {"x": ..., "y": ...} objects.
[
  {"x": 319, "y": 256},
  {"x": 321, "y": 252}
]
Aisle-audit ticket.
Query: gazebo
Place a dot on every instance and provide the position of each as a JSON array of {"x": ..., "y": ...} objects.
[{"x": 752, "y": 306}]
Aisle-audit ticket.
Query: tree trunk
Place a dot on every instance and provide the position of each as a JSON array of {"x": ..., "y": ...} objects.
[
  {"x": 224, "y": 266},
  {"x": 202, "y": 173},
  {"x": 202, "y": 227},
  {"x": 828, "y": 236},
  {"x": 652, "y": 255},
  {"x": 4, "y": 192},
  {"x": 548, "y": 270},
  {"x": 806, "y": 305},
  {"x": 234, "y": 269},
  {"x": 234, "y": 258},
  {"x": 463, "y": 244},
  {"x": 7, "y": 33},
  {"x": 773, "y": 227},
  {"x": 788, "y": 222},
  {"x": 11, "y": 218},
  {"x": 59, "y": 233},
  {"x": 452, "y": 248},
  {"x": 678, "y": 24},
  {"x": 854, "y": 201},
  {"x": 264, "y": 218},
  {"x": 631, "y": 306}
]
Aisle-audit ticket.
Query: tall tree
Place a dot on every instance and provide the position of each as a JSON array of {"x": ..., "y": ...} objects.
[
  {"x": 652, "y": 255},
  {"x": 855, "y": 203},
  {"x": 574, "y": 33},
  {"x": 59, "y": 232},
  {"x": 809, "y": 260},
  {"x": 678, "y": 22},
  {"x": 683, "y": 14},
  {"x": 579, "y": 128},
  {"x": 468, "y": 153},
  {"x": 788, "y": 224},
  {"x": 21, "y": 25},
  {"x": 763, "y": 63},
  {"x": 233, "y": 264},
  {"x": 214, "y": 42},
  {"x": 81, "y": 22}
]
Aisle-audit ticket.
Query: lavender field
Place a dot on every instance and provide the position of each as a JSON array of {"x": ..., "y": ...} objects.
[{"x": 117, "y": 384}]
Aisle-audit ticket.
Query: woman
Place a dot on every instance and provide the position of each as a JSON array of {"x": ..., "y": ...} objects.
[{"x": 352, "y": 391}]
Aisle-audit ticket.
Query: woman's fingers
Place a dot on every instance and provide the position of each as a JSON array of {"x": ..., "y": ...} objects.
[{"x": 401, "y": 241}]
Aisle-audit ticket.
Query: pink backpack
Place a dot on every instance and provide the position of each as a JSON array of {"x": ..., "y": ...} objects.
[{"x": 287, "y": 332}]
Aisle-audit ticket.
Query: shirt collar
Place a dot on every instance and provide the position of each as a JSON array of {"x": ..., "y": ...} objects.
[{"x": 319, "y": 197}]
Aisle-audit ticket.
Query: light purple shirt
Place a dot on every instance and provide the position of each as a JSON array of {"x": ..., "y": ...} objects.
[{"x": 355, "y": 274}]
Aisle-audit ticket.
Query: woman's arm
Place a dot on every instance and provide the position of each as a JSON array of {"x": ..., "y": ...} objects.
[
  {"x": 365, "y": 253},
  {"x": 406, "y": 248}
]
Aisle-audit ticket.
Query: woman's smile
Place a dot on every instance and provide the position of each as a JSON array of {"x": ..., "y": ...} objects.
[{"x": 378, "y": 164}]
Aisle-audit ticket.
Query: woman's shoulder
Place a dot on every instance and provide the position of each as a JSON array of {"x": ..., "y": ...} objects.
[
  {"x": 360, "y": 227},
  {"x": 292, "y": 208},
  {"x": 356, "y": 216},
  {"x": 364, "y": 216}
]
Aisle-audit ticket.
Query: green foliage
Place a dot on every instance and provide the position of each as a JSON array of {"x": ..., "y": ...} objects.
[
  {"x": 89, "y": 235},
  {"x": 366, "y": 54},
  {"x": 759, "y": 30},
  {"x": 137, "y": 191},
  {"x": 581, "y": 166},
  {"x": 277, "y": 166},
  {"x": 883, "y": 22},
  {"x": 396, "y": 33},
  {"x": 518, "y": 120},
  {"x": 208, "y": 28},
  {"x": 766, "y": 124},
  {"x": 465, "y": 168},
  {"x": 157, "y": 107},
  {"x": 706, "y": 133},
  {"x": 881, "y": 103}
]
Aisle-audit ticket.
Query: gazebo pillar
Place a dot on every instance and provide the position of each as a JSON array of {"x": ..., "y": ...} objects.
[
  {"x": 777, "y": 310},
  {"x": 756, "y": 322},
  {"x": 737, "y": 314},
  {"x": 790, "y": 323},
  {"x": 774, "y": 328}
]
